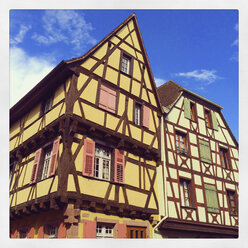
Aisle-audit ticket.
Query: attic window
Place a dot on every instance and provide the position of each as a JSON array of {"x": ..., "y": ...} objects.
[{"x": 125, "y": 64}]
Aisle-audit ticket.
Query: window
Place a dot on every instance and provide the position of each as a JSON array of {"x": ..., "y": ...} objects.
[
  {"x": 46, "y": 105},
  {"x": 137, "y": 114},
  {"x": 181, "y": 143},
  {"x": 102, "y": 163},
  {"x": 107, "y": 99},
  {"x": 193, "y": 111},
  {"x": 104, "y": 230},
  {"x": 232, "y": 202},
  {"x": 134, "y": 232},
  {"x": 45, "y": 162},
  {"x": 207, "y": 114},
  {"x": 205, "y": 152},
  {"x": 224, "y": 158},
  {"x": 23, "y": 234},
  {"x": 125, "y": 63},
  {"x": 52, "y": 231},
  {"x": 189, "y": 109},
  {"x": 211, "y": 198},
  {"x": 185, "y": 189}
]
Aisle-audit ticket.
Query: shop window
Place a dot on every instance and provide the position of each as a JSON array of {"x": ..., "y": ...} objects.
[{"x": 104, "y": 230}]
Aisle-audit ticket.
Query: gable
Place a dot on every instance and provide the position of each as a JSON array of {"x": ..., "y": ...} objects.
[{"x": 105, "y": 61}]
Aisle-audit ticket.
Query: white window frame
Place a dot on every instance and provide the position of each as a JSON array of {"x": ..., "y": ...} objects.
[
  {"x": 46, "y": 163},
  {"x": 104, "y": 230},
  {"x": 102, "y": 165},
  {"x": 53, "y": 231},
  {"x": 186, "y": 200},
  {"x": 137, "y": 114},
  {"x": 125, "y": 64}
]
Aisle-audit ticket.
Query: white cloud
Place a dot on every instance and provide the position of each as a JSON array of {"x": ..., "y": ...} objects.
[
  {"x": 235, "y": 43},
  {"x": 204, "y": 76},
  {"x": 25, "y": 72},
  {"x": 65, "y": 26},
  {"x": 20, "y": 36},
  {"x": 236, "y": 27},
  {"x": 159, "y": 81}
]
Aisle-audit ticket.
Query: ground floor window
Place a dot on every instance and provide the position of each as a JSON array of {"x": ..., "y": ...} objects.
[
  {"x": 104, "y": 230},
  {"x": 135, "y": 232}
]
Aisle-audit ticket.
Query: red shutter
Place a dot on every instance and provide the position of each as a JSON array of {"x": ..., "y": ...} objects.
[
  {"x": 119, "y": 166},
  {"x": 61, "y": 231},
  {"x": 35, "y": 166},
  {"x": 41, "y": 232},
  {"x": 146, "y": 116},
  {"x": 112, "y": 101},
  {"x": 88, "y": 159},
  {"x": 89, "y": 229},
  {"x": 103, "y": 100},
  {"x": 31, "y": 233},
  {"x": 55, "y": 151},
  {"x": 121, "y": 231},
  {"x": 107, "y": 99}
]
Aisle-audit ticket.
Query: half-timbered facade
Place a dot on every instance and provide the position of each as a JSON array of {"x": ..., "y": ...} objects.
[
  {"x": 85, "y": 146},
  {"x": 200, "y": 168}
]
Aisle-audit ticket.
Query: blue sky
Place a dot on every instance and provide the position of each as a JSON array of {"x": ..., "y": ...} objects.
[{"x": 196, "y": 48}]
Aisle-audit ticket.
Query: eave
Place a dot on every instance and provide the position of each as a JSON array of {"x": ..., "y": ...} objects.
[{"x": 37, "y": 94}]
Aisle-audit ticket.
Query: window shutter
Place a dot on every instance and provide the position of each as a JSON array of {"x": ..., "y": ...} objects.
[
  {"x": 214, "y": 121},
  {"x": 88, "y": 159},
  {"x": 61, "y": 231},
  {"x": 41, "y": 232},
  {"x": 89, "y": 230},
  {"x": 205, "y": 153},
  {"x": 35, "y": 166},
  {"x": 121, "y": 231},
  {"x": 146, "y": 116},
  {"x": 211, "y": 198},
  {"x": 111, "y": 100},
  {"x": 187, "y": 112},
  {"x": 103, "y": 99},
  {"x": 119, "y": 166},
  {"x": 55, "y": 151}
]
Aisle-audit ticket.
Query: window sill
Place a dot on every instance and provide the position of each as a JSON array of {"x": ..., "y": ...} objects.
[
  {"x": 183, "y": 153},
  {"x": 188, "y": 207},
  {"x": 126, "y": 74}
]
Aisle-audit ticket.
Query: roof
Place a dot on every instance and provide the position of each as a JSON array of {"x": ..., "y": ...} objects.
[{"x": 170, "y": 91}]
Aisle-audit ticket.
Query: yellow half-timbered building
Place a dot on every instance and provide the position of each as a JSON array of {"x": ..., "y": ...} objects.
[
  {"x": 85, "y": 146},
  {"x": 200, "y": 168}
]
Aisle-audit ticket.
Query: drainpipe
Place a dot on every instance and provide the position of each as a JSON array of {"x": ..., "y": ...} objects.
[{"x": 163, "y": 158}]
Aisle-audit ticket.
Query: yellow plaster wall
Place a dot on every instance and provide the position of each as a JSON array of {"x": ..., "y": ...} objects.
[
  {"x": 89, "y": 94},
  {"x": 101, "y": 51},
  {"x": 135, "y": 88},
  {"x": 111, "y": 75},
  {"x": 93, "y": 114},
  {"x": 89, "y": 63},
  {"x": 114, "y": 59}
]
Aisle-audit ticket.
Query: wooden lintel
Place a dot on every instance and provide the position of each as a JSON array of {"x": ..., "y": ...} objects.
[
  {"x": 92, "y": 129},
  {"x": 107, "y": 135},
  {"x": 25, "y": 210},
  {"x": 92, "y": 206}
]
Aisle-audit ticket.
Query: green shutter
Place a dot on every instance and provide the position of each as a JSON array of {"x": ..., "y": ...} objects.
[
  {"x": 205, "y": 153},
  {"x": 187, "y": 113},
  {"x": 214, "y": 121},
  {"x": 211, "y": 198}
]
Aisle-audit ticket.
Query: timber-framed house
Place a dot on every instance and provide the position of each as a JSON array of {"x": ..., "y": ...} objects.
[
  {"x": 201, "y": 168},
  {"x": 85, "y": 146}
]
